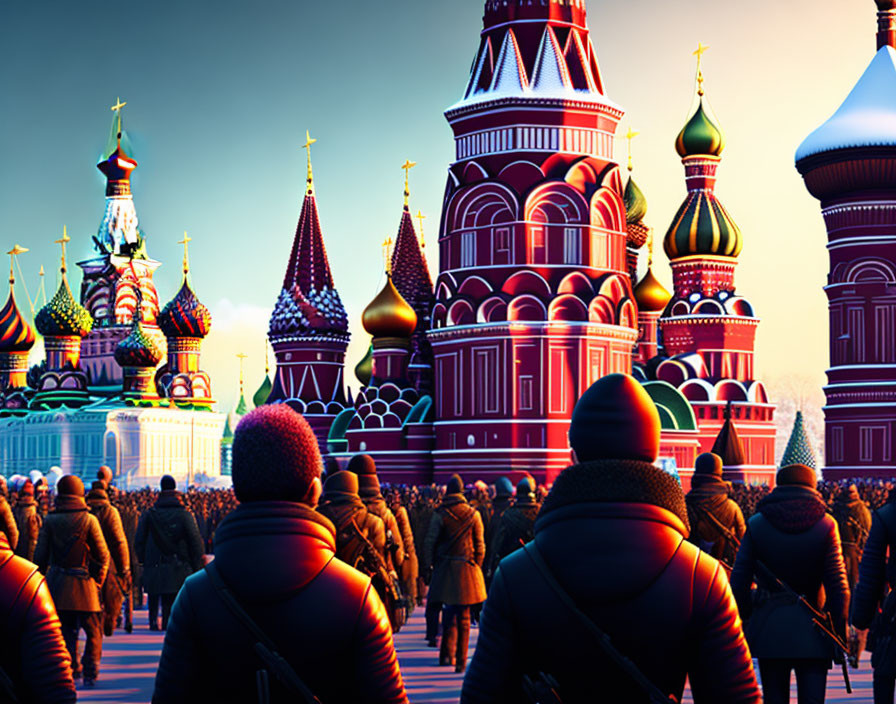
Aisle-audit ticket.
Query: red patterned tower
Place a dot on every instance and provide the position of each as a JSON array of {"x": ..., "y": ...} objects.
[
  {"x": 708, "y": 330},
  {"x": 533, "y": 299},
  {"x": 16, "y": 340},
  {"x": 849, "y": 165},
  {"x": 410, "y": 274},
  {"x": 309, "y": 327}
]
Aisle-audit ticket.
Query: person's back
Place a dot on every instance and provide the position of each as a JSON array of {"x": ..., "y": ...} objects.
[
  {"x": 854, "y": 523},
  {"x": 612, "y": 535},
  {"x": 118, "y": 577},
  {"x": 517, "y": 523},
  {"x": 27, "y": 522},
  {"x": 717, "y": 522},
  {"x": 275, "y": 554},
  {"x": 33, "y": 656},
  {"x": 357, "y": 530}
]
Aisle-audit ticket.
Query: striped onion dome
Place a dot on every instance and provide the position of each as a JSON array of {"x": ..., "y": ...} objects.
[
  {"x": 702, "y": 226},
  {"x": 185, "y": 315},
  {"x": 16, "y": 335}
]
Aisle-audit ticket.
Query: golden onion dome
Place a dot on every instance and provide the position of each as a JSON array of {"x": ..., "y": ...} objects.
[
  {"x": 650, "y": 294},
  {"x": 389, "y": 315},
  {"x": 700, "y": 136}
]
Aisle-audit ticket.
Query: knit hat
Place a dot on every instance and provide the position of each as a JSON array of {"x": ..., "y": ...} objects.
[
  {"x": 70, "y": 485},
  {"x": 455, "y": 485},
  {"x": 104, "y": 474},
  {"x": 615, "y": 419},
  {"x": 708, "y": 463},
  {"x": 365, "y": 467},
  {"x": 275, "y": 455},
  {"x": 503, "y": 487},
  {"x": 27, "y": 488},
  {"x": 168, "y": 483},
  {"x": 342, "y": 483},
  {"x": 798, "y": 474}
]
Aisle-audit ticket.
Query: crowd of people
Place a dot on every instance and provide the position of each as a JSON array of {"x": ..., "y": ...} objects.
[{"x": 565, "y": 582}]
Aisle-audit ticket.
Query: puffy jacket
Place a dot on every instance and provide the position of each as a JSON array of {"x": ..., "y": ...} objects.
[
  {"x": 278, "y": 558},
  {"x": 794, "y": 537},
  {"x": 612, "y": 534},
  {"x": 876, "y": 572},
  {"x": 74, "y": 569},
  {"x": 166, "y": 566},
  {"x": 33, "y": 653}
]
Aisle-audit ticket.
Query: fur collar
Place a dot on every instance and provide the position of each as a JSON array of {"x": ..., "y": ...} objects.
[
  {"x": 793, "y": 508},
  {"x": 617, "y": 481}
]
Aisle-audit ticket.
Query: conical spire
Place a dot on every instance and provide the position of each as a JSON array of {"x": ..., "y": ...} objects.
[
  {"x": 728, "y": 445},
  {"x": 410, "y": 274},
  {"x": 798, "y": 450}
]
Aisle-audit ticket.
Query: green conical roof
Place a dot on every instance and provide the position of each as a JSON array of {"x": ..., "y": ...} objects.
[
  {"x": 228, "y": 433},
  {"x": 261, "y": 396},
  {"x": 241, "y": 407},
  {"x": 799, "y": 450}
]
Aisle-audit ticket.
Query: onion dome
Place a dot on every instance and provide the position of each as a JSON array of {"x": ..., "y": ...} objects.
[
  {"x": 185, "y": 315},
  {"x": 389, "y": 315},
  {"x": 702, "y": 227},
  {"x": 650, "y": 294},
  {"x": 364, "y": 368},
  {"x": 261, "y": 396},
  {"x": 700, "y": 136},
  {"x": 16, "y": 335},
  {"x": 139, "y": 348},
  {"x": 635, "y": 210},
  {"x": 63, "y": 316}
]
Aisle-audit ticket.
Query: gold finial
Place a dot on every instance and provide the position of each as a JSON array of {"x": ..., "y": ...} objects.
[
  {"x": 407, "y": 166},
  {"x": 650, "y": 248},
  {"x": 630, "y": 135},
  {"x": 13, "y": 253},
  {"x": 62, "y": 241},
  {"x": 387, "y": 252},
  {"x": 701, "y": 50},
  {"x": 421, "y": 217},
  {"x": 117, "y": 108},
  {"x": 307, "y": 147},
  {"x": 267, "y": 366},
  {"x": 241, "y": 357},
  {"x": 185, "y": 242}
]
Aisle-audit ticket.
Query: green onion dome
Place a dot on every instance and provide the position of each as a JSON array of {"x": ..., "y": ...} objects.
[
  {"x": 185, "y": 315},
  {"x": 63, "y": 316},
  {"x": 635, "y": 202},
  {"x": 261, "y": 396},
  {"x": 139, "y": 348},
  {"x": 700, "y": 136},
  {"x": 16, "y": 335},
  {"x": 702, "y": 226},
  {"x": 364, "y": 368}
]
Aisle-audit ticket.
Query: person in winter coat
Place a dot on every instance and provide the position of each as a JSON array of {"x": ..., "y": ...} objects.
[
  {"x": 134, "y": 597},
  {"x": 72, "y": 553},
  {"x": 369, "y": 489},
  {"x": 454, "y": 549},
  {"x": 503, "y": 500},
  {"x": 355, "y": 525},
  {"x": 517, "y": 524},
  {"x": 796, "y": 540},
  {"x": 877, "y": 573},
  {"x": 276, "y": 556},
  {"x": 34, "y": 658},
  {"x": 717, "y": 523},
  {"x": 118, "y": 578},
  {"x": 27, "y": 521},
  {"x": 410, "y": 567},
  {"x": 611, "y": 536},
  {"x": 169, "y": 548},
  {"x": 7, "y": 520},
  {"x": 854, "y": 523}
]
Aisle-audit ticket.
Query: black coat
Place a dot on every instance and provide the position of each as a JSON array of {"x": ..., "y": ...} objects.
[
  {"x": 323, "y": 616},
  {"x": 794, "y": 537},
  {"x": 169, "y": 561},
  {"x": 876, "y": 571},
  {"x": 613, "y": 535}
]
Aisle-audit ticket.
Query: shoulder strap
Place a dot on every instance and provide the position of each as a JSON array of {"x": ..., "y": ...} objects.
[
  {"x": 264, "y": 647},
  {"x": 603, "y": 640}
]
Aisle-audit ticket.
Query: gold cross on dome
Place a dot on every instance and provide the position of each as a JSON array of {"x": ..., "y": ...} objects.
[
  {"x": 701, "y": 50},
  {"x": 421, "y": 217},
  {"x": 117, "y": 108},
  {"x": 62, "y": 241},
  {"x": 307, "y": 147},
  {"x": 13, "y": 253},
  {"x": 387, "y": 250},
  {"x": 407, "y": 166},
  {"x": 185, "y": 242},
  {"x": 630, "y": 135},
  {"x": 240, "y": 356}
]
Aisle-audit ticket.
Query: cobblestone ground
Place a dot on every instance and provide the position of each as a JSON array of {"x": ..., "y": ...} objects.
[{"x": 130, "y": 661}]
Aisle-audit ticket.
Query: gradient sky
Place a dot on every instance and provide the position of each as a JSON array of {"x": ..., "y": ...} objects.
[{"x": 220, "y": 94}]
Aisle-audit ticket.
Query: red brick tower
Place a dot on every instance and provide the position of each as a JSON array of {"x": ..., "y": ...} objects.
[
  {"x": 849, "y": 164},
  {"x": 309, "y": 327},
  {"x": 533, "y": 299}
]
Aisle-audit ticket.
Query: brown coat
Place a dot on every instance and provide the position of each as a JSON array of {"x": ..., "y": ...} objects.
[
  {"x": 113, "y": 531},
  {"x": 457, "y": 578},
  {"x": 349, "y": 546},
  {"x": 28, "y": 522},
  {"x": 410, "y": 568},
  {"x": 75, "y": 568},
  {"x": 394, "y": 555},
  {"x": 708, "y": 507},
  {"x": 8, "y": 523}
]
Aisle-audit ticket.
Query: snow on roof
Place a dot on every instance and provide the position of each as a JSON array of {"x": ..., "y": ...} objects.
[{"x": 867, "y": 117}]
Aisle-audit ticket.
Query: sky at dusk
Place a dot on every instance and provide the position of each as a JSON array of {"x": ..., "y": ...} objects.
[{"x": 220, "y": 94}]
